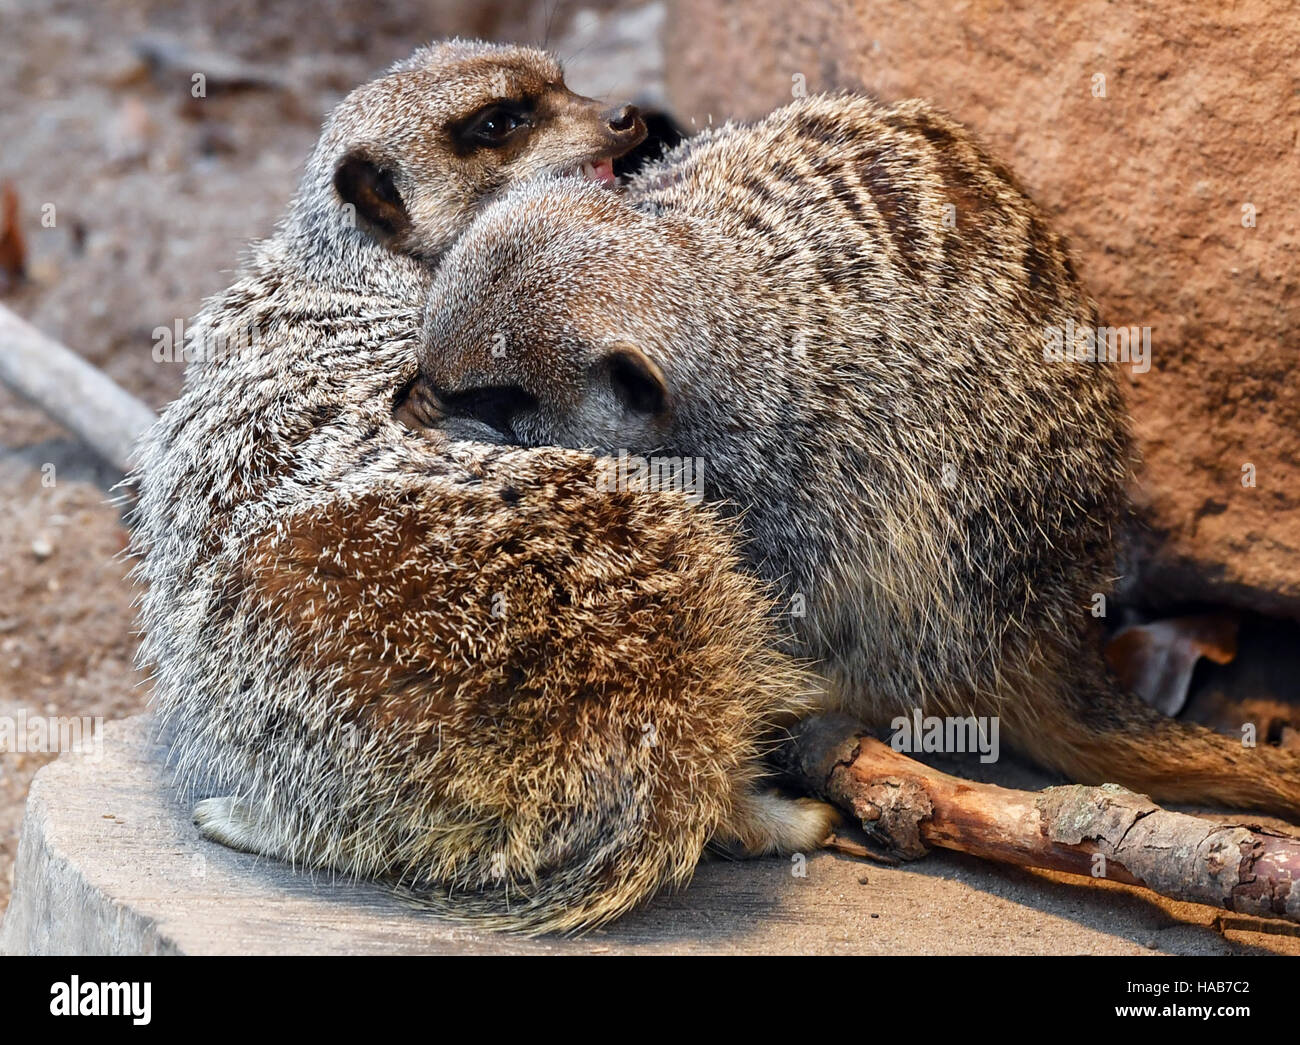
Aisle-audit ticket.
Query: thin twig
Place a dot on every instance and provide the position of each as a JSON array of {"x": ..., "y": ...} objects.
[{"x": 77, "y": 395}]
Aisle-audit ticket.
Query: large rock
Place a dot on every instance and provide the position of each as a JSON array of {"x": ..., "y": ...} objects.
[
  {"x": 109, "y": 863},
  {"x": 1199, "y": 119}
]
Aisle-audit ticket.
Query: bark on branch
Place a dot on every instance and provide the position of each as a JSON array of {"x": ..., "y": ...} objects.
[
  {"x": 74, "y": 393},
  {"x": 910, "y": 808}
]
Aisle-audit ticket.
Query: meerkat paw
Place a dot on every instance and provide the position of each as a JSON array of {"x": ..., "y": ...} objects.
[
  {"x": 770, "y": 823},
  {"x": 230, "y": 821}
]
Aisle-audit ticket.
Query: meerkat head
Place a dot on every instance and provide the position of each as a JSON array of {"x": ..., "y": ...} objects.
[
  {"x": 411, "y": 154},
  {"x": 558, "y": 318}
]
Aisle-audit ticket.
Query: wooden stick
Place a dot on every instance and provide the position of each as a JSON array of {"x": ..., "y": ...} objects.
[
  {"x": 1103, "y": 831},
  {"x": 74, "y": 393}
]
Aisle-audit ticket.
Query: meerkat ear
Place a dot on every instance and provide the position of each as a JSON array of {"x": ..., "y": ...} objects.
[
  {"x": 637, "y": 381},
  {"x": 369, "y": 188}
]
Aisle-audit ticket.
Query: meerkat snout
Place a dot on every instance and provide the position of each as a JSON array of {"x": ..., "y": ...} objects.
[{"x": 627, "y": 131}]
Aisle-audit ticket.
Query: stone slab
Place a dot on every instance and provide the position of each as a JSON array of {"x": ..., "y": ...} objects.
[{"x": 109, "y": 863}]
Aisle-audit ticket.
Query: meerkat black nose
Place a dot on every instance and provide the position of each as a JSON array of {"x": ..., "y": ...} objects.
[{"x": 624, "y": 120}]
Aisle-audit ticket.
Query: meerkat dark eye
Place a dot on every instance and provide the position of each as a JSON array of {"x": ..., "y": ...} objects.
[
  {"x": 493, "y": 405},
  {"x": 493, "y": 126}
]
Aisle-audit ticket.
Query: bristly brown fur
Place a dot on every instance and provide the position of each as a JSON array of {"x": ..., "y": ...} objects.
[{"x": 498, "y": 679}]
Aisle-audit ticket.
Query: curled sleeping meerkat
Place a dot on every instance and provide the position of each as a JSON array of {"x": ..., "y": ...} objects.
[
  {"x": 450, "y": 665},
  {"x": 841, "y": 312}
]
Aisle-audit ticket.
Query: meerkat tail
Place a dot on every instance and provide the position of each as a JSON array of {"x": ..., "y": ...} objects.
[{"x": 1111, "y": 736}]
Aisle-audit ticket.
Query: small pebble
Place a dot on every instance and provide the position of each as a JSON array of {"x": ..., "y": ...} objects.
[{"x": 42, "y": 548}]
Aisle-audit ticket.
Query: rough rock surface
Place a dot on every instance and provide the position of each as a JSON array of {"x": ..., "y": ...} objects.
[
  {"x": 109, "y": 863},
  {"x": 1200, "y": 118}
]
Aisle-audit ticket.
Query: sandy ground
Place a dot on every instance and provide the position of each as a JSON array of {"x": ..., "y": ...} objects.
[{"x": 154, "y": 194}]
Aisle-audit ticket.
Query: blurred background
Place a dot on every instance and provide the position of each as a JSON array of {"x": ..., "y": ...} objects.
[{"x": 1164, "y": 137}]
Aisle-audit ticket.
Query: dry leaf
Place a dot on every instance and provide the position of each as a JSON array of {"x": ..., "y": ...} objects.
[
  {"x": 13, "y": 248},
  {"x": 1156, "y": 660}
]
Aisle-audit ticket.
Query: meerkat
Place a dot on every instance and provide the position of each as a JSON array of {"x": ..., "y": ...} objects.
[
  {"x": 441, "y": 665},
  {"x": 842, "y": 312}
]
